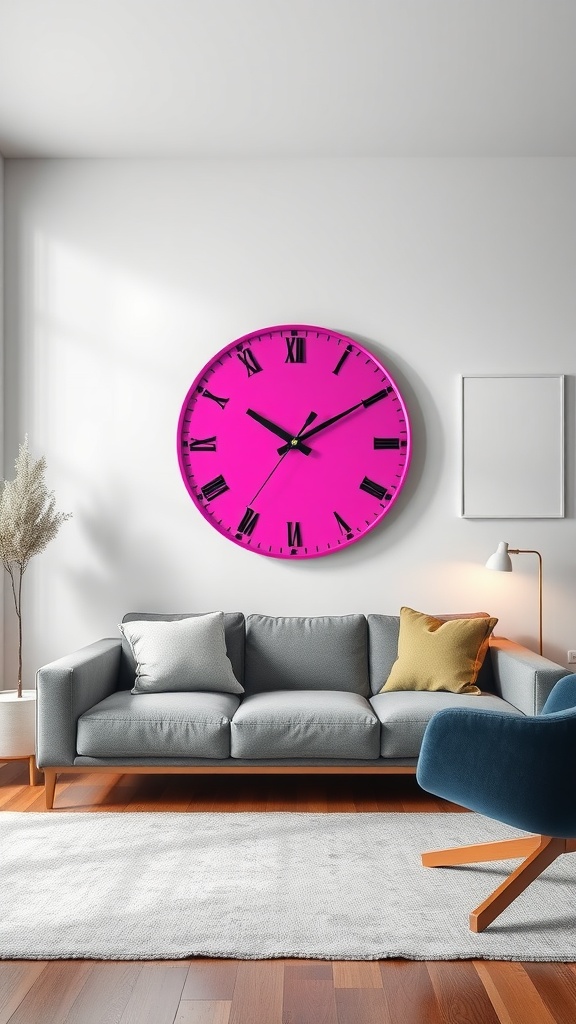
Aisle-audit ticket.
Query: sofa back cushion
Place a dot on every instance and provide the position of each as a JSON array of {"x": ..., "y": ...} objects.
[
  {"x": 233, "y": 632},
  {"x": 383, "y": 631},
  {"x": 325, "y": 652}
]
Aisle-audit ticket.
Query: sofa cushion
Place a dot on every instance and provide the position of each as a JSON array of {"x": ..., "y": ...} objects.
[
  {"x": 158, "y": 725},
  {"x": 405, "y": 714},
  {"x": 305, "y": 723},
  {"x": 383, "y": 649},
  {"x": 436, "y": 654},
  {"x": 233, "y": 633},
  {"x": 326, "y": 652},
  {"x": 183, "y": 654}
]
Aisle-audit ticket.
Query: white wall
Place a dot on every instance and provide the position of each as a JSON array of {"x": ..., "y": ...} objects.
[
  {"x": 2, "y": 687},
  {"x": 123, "y": 278}
]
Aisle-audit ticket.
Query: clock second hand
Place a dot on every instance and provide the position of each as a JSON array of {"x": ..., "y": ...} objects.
[{"x": 289, "y": 447}]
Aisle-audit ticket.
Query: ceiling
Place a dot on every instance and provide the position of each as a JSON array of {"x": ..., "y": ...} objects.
[{"x": 274, "y": 78}]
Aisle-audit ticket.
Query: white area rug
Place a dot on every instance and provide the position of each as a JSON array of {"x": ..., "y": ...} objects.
[{"x": 254, "y": 886}]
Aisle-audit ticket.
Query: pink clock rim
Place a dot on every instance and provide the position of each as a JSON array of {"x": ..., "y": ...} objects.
[{"x": 256, "y": 334}]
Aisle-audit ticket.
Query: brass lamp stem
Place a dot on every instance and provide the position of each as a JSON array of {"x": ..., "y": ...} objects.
[{"x": 531, "y": 551}]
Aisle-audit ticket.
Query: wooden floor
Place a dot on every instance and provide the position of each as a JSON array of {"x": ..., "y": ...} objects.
[{"x": 204, "y": 991}]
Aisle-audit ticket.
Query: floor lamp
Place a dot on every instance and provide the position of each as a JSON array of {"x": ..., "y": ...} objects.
[{"x": 502, "y": 562}]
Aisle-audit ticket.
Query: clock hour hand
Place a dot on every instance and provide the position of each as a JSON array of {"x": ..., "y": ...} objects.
[
  {"x": 309, "y": 420},
  {"x": 292, "y": 440}
]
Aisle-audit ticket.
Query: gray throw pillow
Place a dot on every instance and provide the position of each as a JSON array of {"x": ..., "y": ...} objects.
[{"x": 186, "y": 654}]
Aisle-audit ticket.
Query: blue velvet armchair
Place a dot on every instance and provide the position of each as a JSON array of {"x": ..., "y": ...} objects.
[{"x": 520, "y": 770}]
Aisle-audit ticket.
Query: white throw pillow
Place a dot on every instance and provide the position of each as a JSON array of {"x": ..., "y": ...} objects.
[{"x": 184, "y": 654}]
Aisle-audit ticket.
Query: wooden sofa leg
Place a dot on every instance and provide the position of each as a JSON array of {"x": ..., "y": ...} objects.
[{"x": 49, "y": 787}]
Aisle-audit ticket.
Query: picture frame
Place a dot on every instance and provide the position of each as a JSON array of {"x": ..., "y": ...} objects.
[{"x": 512, "y": 461}]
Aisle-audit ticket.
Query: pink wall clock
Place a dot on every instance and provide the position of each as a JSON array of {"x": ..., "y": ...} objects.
[{"x": 294, "y": 441}]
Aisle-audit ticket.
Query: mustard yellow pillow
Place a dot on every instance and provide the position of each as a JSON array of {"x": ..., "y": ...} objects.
[{"x": 434, "y": 654}]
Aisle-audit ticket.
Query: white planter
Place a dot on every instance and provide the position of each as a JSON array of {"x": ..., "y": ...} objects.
[{"x": 17, "y": 723}]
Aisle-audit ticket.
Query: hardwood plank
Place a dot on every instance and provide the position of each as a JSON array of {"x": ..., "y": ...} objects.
[
  {"x": 13, "y": 778},
  {"x": 556, "y": 986},
  {"x": 121, "y": 793},
  {"x": 399, "y": 791},
  {"x": 278, "y": 795},
  {"x": 258, "y": 993},
  {"x": 512, "y": 993},
  {"x": 211, "y": 979},
  {"x": 409, "y": 992},
  {"x": 16, "y": 980},
  {"x": 312, "y": 796},
  {"x": 309, "y": 995},
  {"x": 203, "y": 797},
  {"x": 148, "y": 797},
  {"x": 357, "y": 974},
  {"x": 86, "y": 792},
  {"x": 106, "y": 993},
  {"x": 342, "y": 794},
  {"x": 51, "y": 997},
  {"x": 307, "y": 970},
  {"x": 192, "y": 1011},
  {"x": 156, "y": 994},
  {"x": 26, "y": 798},
  {"x": 362, "y": 1006},
  {"x": 460, "y": 994}
]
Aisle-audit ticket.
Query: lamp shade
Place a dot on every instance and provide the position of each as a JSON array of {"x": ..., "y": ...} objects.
[{"x": 500, "y": 560}]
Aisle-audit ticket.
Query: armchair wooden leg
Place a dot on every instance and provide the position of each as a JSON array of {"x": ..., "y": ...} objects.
[
  {"x": 501, "y": 850},
  {"x": 49, "y": 787},
  {"x": 539, "y": 852},
  {"x": 547, "y": 851}
]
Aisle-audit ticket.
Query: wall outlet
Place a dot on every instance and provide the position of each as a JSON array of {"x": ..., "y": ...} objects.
[{"x": 572, "y": 657}]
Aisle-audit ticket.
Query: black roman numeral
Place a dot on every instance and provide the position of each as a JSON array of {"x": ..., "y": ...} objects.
[
  {"x": 388, "y": 443},
  {"x": 247, "y": 524},
  {"x": 214, "y": 488},
  {"x": 202, "y": 444},
  {"x": 345, "y": 529},
  {"x": 296, "y": 350},
  {"x": 208, "y": 394},
  {"x": 252, "y": 365},
  {"x": 377, "y": 397},
  {"x": 294, "y": 535},
  {"x": 342, "y": 359},
  {"x": 376, "y": 490}
]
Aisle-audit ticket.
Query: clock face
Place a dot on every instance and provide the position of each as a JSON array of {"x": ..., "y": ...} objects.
[{"x": 294, "y": 441}]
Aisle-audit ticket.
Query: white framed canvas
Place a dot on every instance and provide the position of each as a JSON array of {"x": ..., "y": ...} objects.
[{"x": 512, "y": 446}]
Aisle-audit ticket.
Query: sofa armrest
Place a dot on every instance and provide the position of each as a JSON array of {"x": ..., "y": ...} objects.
[
  {"x": 521, "y": 677},
  {"x": 66, "y": 688}
]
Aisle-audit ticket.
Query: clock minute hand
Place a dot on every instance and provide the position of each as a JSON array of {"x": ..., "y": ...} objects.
[
  {"x": 284, "y": 434},
  {"x": 365, "y": 403}
]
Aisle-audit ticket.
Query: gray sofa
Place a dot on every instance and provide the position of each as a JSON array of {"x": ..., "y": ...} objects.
[{"x": 311, "y": 703}]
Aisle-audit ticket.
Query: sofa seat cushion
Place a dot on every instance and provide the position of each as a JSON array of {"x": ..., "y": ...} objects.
[
  {"x": 305, "y": 723},
  {"x": 158, "y": 725},
  {"x": 405, "y": 714},
  {"x": 324, "y": 652}
]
